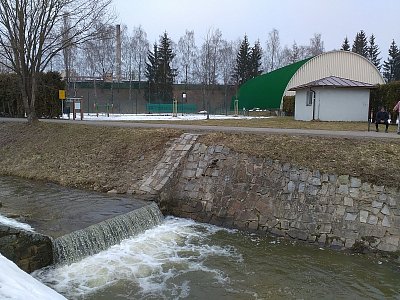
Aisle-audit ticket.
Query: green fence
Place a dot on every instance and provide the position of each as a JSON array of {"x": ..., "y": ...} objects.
[{"x": 167, "y": 108}]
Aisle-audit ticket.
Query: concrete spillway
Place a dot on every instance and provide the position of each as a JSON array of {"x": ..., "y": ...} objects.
[{"x": 98, "y": 237}]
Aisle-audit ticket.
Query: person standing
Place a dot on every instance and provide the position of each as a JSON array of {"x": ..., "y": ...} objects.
[{"x": 397, "y": 109}]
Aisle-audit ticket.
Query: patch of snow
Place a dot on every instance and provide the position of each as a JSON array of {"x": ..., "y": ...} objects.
[
  {"x": 15, "y": 224},
  {"x": 158, "y": 117},
  {"x": 17, "y": 285}
]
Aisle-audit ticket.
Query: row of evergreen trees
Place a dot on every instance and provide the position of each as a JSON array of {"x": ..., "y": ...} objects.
[
  {"x": 248, "y": 62},
  {"x": 47, "y": 103},
  {"x": 368, "y": 48}
]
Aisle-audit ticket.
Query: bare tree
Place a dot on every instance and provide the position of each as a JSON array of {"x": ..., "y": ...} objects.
[
  {"x": 140, "y": 47},
  {"x": 294, "y": 54},
  {"x": 208, "y": 65},
  {"x": 100, "y": 53},
  {"x": 187, "y": 51},
  {"x": 32, "y": 32},
  {"x": 316, "y": 45},
  {"x": 228, "y": 52},
  {"x": 273, "y": 51}
]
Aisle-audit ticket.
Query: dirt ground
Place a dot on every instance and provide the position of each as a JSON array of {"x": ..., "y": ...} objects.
[{"x": 106, "y": 158}]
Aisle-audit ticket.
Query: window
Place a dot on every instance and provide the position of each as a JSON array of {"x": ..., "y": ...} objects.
[{"x": 310, "y": 98}]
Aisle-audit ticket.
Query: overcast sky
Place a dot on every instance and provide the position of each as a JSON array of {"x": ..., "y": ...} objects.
[{"x": 296, "y": 20}]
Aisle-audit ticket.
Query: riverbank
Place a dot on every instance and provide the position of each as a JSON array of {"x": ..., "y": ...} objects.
[{"x": 111, "y": 158}]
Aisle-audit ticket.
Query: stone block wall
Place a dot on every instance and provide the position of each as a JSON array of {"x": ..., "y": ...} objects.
[
  {"x": 218, "y": 186},
  {"x": 28, "y": 250}
]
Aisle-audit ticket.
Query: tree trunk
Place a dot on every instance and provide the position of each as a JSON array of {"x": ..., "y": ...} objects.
[{"x": 29, "y": 99}]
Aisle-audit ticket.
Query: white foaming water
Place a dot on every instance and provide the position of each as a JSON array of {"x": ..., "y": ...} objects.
[
  {"x": 15, "y": 224},
  {"x": 148, "y": 262}
]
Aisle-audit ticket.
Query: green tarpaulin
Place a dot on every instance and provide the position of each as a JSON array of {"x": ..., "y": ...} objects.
[{"x": 266, "y": 91}]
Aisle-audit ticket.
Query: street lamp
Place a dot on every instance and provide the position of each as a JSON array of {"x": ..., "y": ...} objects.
[{"x": 183, "y": 100}]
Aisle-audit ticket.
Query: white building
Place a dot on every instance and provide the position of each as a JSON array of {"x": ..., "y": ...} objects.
[{"x": 332, "y": 99}]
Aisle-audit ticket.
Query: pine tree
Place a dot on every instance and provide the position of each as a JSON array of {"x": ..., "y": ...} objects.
[
  {"x": 241, "y": 71},
  {"x": 360, "y": 44},
  {"x": 391, "y": 67},
  {"x": 373, "y": 52},
  {"x": 345, "y": 45},
  {"x": 151, "y": 92},
  {"x": 166, "y": 73},
  {"x": 255, "y": 60},
  {"x": 159, "y": 73}
]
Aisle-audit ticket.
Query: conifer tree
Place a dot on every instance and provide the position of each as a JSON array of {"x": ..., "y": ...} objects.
[
  {"x": 248, "y": 62},
  {"x": 373, "y": 52},
  {"x": 391, "y": 67},
  {"x": 360, "y": 44},
  {"x": 241, "y": 71},
  {"x": 255, "y": 60},
  {"x": 166, "y": 73},
  {"x": 152, "y": 72},
  {"x": 345, "y": 45},
  {"x": 159, "y": 73}
]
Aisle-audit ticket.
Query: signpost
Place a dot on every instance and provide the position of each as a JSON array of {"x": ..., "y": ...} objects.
[{"x": 61, "y": 96}]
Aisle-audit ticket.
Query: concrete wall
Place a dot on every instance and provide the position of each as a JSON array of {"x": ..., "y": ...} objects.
[
  {"x": 218, "y": 186},
  {"x": 29, "y": 251},
  {"x": 334, "y": 104}
]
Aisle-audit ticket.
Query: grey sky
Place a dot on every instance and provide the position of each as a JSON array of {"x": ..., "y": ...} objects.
[{"x": 296, "y": 20}]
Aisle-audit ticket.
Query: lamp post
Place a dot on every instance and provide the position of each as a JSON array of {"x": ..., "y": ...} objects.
[{"x": 183, "y": 100}]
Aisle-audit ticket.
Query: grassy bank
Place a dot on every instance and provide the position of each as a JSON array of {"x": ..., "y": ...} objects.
[
  {"x": 105, "y": 158},
  {"x": 278, "y": 122},
  {"x": 95, "y": 158}
]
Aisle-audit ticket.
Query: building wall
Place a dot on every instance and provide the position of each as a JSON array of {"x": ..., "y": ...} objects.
[
  {"x": 334, "y": 104},
  {"x": 302, "y": 112}
]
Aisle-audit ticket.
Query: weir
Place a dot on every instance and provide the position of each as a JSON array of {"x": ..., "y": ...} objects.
[
  {"x": 98, "y": 237},
  {"x": 68, "y": 224}
]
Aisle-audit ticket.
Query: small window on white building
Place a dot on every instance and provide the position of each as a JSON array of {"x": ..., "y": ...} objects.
[{"x": 310, "y": 98}]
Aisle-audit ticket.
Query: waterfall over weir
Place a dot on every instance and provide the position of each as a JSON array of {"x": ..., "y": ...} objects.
[{"x": 98, "y": 237}]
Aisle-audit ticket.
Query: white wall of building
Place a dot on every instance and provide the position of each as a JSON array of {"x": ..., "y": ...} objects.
[{"x": 333, "y": 104}]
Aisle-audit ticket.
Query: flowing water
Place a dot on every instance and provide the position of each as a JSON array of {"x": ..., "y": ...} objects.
[
  {"x": 95, "y": 238},
  {"x": 182, "y": 259}
]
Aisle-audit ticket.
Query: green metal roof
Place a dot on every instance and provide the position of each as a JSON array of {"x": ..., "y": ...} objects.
[{"x": 266, "y": 91}]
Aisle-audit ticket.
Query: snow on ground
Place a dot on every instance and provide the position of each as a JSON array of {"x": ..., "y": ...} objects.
[
  {"x": 156, "y": 117},
  {"x": 17, "y": 285},
  {"x": 13, "y": 223}
]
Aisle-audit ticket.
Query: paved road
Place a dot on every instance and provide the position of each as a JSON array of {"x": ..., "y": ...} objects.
[{"x": 201, "y": 128}]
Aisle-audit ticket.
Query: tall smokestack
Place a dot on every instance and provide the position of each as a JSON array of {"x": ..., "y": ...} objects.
[{"x": 118, "y": 50}]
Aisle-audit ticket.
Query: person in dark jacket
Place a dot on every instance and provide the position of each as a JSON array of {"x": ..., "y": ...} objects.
[{"x": 382, "y": 117}]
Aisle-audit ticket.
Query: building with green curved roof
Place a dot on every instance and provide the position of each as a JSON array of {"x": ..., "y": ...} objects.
[{"x": 267, "y": 91}]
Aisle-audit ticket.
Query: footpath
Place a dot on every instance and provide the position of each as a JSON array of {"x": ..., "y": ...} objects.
[{"x": 203, "y": 128}]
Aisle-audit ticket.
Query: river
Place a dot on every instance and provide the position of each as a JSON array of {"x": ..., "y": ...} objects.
[{"x": 182, "y": 259}]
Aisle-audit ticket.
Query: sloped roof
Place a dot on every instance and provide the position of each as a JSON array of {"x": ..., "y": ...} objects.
[
  {"x": 267, "y": 90},
  {"x": 333, "y": 81}
]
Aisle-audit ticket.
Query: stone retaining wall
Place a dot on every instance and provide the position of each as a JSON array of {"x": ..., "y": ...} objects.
[
  {"x": 218, "y": 186},
  {"x": 28, "y": 250}
]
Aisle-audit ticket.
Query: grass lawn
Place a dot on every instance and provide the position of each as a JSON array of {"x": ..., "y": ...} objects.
[{"x": 279, "y": 122}]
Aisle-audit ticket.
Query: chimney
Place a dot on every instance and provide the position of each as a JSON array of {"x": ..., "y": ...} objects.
[{"x": 118, "y": 52}]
